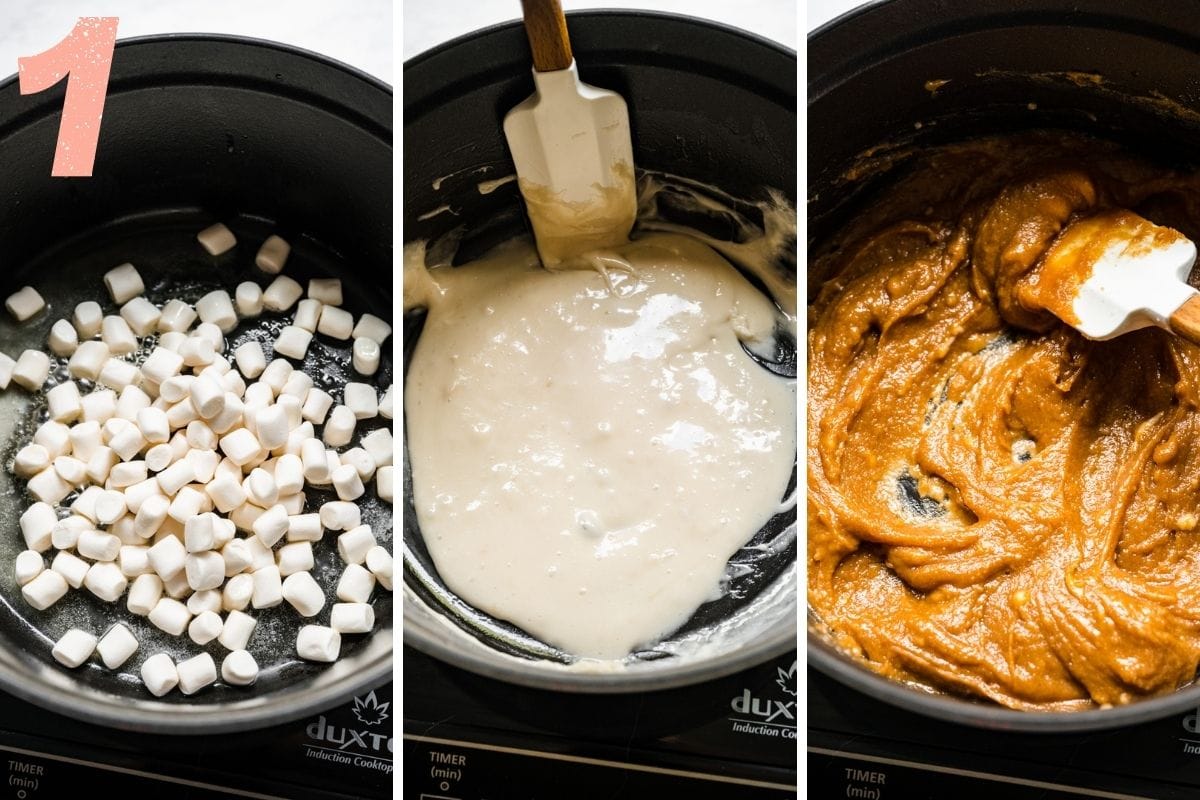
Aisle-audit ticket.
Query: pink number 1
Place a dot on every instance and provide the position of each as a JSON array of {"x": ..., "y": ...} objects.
[{"x": 84, "y": 58}]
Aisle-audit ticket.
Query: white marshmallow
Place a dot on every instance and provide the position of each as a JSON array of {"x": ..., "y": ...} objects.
[
  {"x": 177, "y": 587},
  {"x": 272, "y": 255},
  {"x": 298, "y": 436},
  {"x": 316, "y": 405},
  {"x": 117, "y": 374},
  {"x": 137, "y": 495},
  {"x": 176, "y": 476},
  {"x": 31, "y": 370},
  {"x": 159, "y": 674},
  {"x": 123, "y": 530},
  {"x": 223, "y": 532},
  {"x": 110, "y": 506},
  {"x": 355, "y": 585},
  {"x": 98, "y": 546},
  {"x": 116, "y": 646},
  {"x": 205, "y": 627},
  {"x": 271, "y": 525},
  {"x": 347, "y": 483},
  {"x": 354, "y": 544},
  {"x": 123, "y": 283},
  {"x": 186, "y": 503},
  {"x": 292, "y": 342},
  {"x": 385, "y": 403},
  {"x": 74, "y": 648},
  {"x": 339, "y": 428},
  {"x": 240, "y": 446},
  {"x": 231, "y": 416},
  {"x": 327, "y": 290},
  {"x": 216, "y": 239},
  {"x": 65, "y": 533},
  {"x": 200, "y": 437},
  {"x": 316, "y": 465},
  {"x": 134, "y": 560},
  {"x": 250, "y": 359},
  {"x": 176, "y": 317},
  {"x": 290, "y": 405},
  {"x": 308, "y": 315},
  {"x": 304, "y": 528},
  {"x": 338, "y": 515},
  {"x": 293, "y": 504},
  {"x": 226, "y": 493},
  {"x": 318, "y": 643},
  {"x": 130, "y": 402},
  {"x": 127, "y": 474},
  {"x": 380, "y": 445},
  {"x": 141, "y": 315},
  {"x": 198, "y": 533},
  {"x": 7, "y": 365},
  {"x": 24, "y": 303},
  {"x": 303, "y": 594},
  {"x": 155, "y": 429},
  {"x": 336, "y": 323},
  {"x": 247, "y": 297},
  {"x": 204, "y": 570},
  {"x": 239, "y": 668},
  {"x": 86, "y": 438},
  {"x": 176, "y": 388},
  {"x": 27, "y": 566},
  {"x": 215, "y": 308},
  {"x": 87, "y": 360},
  {"x": 245, "y": 515},
  {"x": 160, "y": 365},
  {"x": 87, "y": 318},
  {"x": 365, "y": 356},
  {"x": 196, "y": 672},
  {"x": 361, "y": 399},
  {"x": 297, "y": 386},
  {"x": 239, "y": 626},
  {"x": 71, "y": 470},
  {"x": 206, "y": 600},
  {"x": 260, "y": 488},
  {"x": 100, "y": 464},
  {"x": 372, "y": 327},
  {"x": 383, "y": 483},
  {"x": 45, "y": 590},
  {"x": 168, "y": 557},
  {"x": 295, "y": 557},
  {"x": 128, "y": 442},
  {"x": 238, "y": 590},
  {"x": 197, "y": 352},
  {"x": 63, "y": 338},
  {"x": 117, "y": 336},
  {"x": 212, "y": 333},
  {"x": 104, "y": 579},
  {"x": 275, "y": 377},
  {"x": 281, "y": 294},
  {"x": 207, "y": 396},
  {"x": 144, "y": 594},
  {"x": 71, "y": 567},
  {"x": 54, "y": 436},
  {"x": 180, "y": 414},
  {"x": 170, "y": 616},
  {"x": 48, "y": 487},
  {"x": 271, "y": 425},
  {"x": 289, "y": 474},
  {"x": 268, "y": 588},
  {"x": 362, "y": 462},
  {"x": 31, "y": 459},
  {"x": 352, "y": 617}
]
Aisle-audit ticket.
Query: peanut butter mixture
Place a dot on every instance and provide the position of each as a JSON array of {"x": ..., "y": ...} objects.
[{"x": 999, "y": 507}]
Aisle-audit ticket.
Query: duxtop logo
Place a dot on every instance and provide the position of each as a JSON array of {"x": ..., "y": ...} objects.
[{"x": 768, "y": 716}]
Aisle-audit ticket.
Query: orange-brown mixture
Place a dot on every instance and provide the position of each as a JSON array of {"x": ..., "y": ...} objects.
[{"x": 998, "y": 506}]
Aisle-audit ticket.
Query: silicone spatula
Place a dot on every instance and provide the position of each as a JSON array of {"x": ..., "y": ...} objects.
[
  {"x": 1118, "y": 272},
  {"x": 571, "y": 146}
]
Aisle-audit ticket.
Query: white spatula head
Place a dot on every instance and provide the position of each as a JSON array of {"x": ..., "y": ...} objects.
[{"x": 571, "y": 146}]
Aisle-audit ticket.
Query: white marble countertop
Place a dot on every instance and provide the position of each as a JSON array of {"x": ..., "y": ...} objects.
[
  {"x": 358, "y": 32},
  {"x": 429, "y": 23}
]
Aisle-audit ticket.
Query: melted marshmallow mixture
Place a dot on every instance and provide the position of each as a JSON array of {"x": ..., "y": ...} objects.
[{"x": 590, "y": 446}]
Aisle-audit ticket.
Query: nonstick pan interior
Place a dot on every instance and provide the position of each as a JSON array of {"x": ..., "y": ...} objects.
[{"x": 197, "y": 130}]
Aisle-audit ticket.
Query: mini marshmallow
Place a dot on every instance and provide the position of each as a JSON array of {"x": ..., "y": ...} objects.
[
  {"x": 63, "y": 402},
  {"x": 231, "y": 416},
  {"x": 104, "y": 579},
  {"x": 272, "y": 255},
  {"x": 123, "y": 530},
  {"x": 308, "y": 315},
  {"x": 204, "y": 570},
  {"x": 198, "y": 534},
  {"x": 63, "y": 338},
  {"x": 73, "y": 569},
  {"x": 180, "y": 414},
  {"x": 289, "y": 474},
  {"x": 241, "y": 446},
  {"x": 27, "y": 566},
  {"x": 281, "y": 294},
  {"x": 347, "y": 483},
  {"x": 196, "y": 673},
  {"x": 200, "y": 437},
  {"x": 327, "y": 290},
  {"x": 24, "y": 304},
  {"x": 66, "y": 532},
  {"x": 336, "y": 323},
  {"x": 187, "y": 503},
  {"x": 128, "y": 442},
  {"x": 117, "y": 336},
  {"x": 197, "y": 352},
  {"x": 239, "y": 668},
  {"x": 177, "y": 587},
  {"x": 245, "y": 515},
  {"x": 206, "y": 600},
  {"x": 260, "y": 488},
  {"x": 303, "y": 593},
  {"x": 271, "y": 525},
  {"x": 170, "y": 616},
  {"x": 176, "y": 316},
  {"x": 298, "y": 436},
  {"x": 112, "y": 427},
  {"x": 362, "y": 462},
  {"x": 130, "y": 402},
  {"x": 87, "y": 360},
  {"x": 207, "y": 396},
  {"x": 339, "y": 428},
  {"x": 361, "y": 399},
  {"x": 293, "y": 558},
  {"x": 74, "y": 648},
  {"x": 275, "y": 377},
  {"x": 212, "y": 333},
  {"x": 31, "y": 370},
  {"x": 338, "y": 515},
  {"x": 355, "y": 585},
  {"x": 385, "y": 403},
  {"x": 116, "y": 646},
  {"x": 372, "y": 327},
  {"x": 45, "y": 590},
  {"x": 160, "y": 365},
  {"x": 237, "y": 631},
  {"x": 71, "y": 470},
  {"x": 352, "y": 617},
  {"x": 110, "y": 506},
  {"x": 379, "y": 444},
  {"x": 54, "y": 437},
  {"x": 99, "y": 406},
  {"x": 237, "y": 556},
  {"x": 7, "y": 365},
  {"x": 86, "y": 438},
  {"x": 134, "y": 560},
  {"x": 365, "y": 356},
  {"x": 155, "y": 429},
  {"x": 87, "y": 318},
  {"x": 223, "y": 532},
  {"x": 316, "y": 466},
  {"x": 226, "y": 493},
  {"x": 215, "y": 308},
  {"x": 98, "y": 546},
  {"x": 216, "y": 239},
  {"x": 168, "y": 557},
  {"x": 271, "y": 425},
  {"x": 141, "y": 315},
  {"x": 205, "y": 627},
  {"x": 177, "y": 388},
  {"x": 304, "y": 528},
  {"x": 127, "y": 474},
  {"x": 268, "y": 588},
  {"x": 117, "y": 374},
  {"x": 159, "y": 674},
  {"x": 48, "y": 487},
  {"x": 297, "y": 386},
  {"x": 32, "y": 459},
  {"x": 318, "y": 643},
  {"x": 290, "y": 405},
  {"x": 123, "y": 283},
  {"x": 176, "y": 476},
  {"x": 250, "y": 359},
  {"x": 137, "y": 495},
  {"x": 293, "y": 504},
  {"x": 238, "y": 591},
  {"x": 383, "y": 483},
  {"x": 292, "y": 342},
  {"x": 317, "y": 403},
  {"x": 144, "y": 594}
]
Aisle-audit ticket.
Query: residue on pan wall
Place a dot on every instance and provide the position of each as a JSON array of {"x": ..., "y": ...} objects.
[
  {"x": 437, "y": 182},
  {"x": 933, "y": 84},
  {"x": 487, "y": 187},
  {"x": 442, "y": 209}
]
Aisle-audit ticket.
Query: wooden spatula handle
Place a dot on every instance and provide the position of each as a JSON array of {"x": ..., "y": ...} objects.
[
  {"x": 1186, "y": 320},
  {"x": 546, "y": 28}
]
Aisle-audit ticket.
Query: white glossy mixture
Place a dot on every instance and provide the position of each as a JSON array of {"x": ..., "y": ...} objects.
[{"x": 588, "y": 450}]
